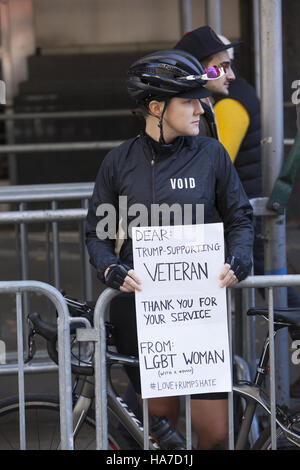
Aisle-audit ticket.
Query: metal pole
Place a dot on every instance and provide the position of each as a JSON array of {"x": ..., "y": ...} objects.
[
  {"x": 249, "y": 330},
  {"x": 213, "y": 15},
  {"x": 66, "y": 114},
  {"x": 60, "y": 147},
  {"x": 64, "y": 350},
  {"x": 256, "y": 35},
  {"x": 40, "y": 192},
  {"x": 24, "y": 257},
  {"x": 48, "y": 253},
  {"x": 188, "y": 422},
  {"x": 58, "y": 215},
  {"x": 82, "y": 249},
  {"x": 230, "y": 394},
  {"x": 87, "y": 270},
  {"x": 272, "y": 368},
  {"x": 100, "y": 367},
  {"x": 55, "y": 242},
  {"x": 272, "y": 159},
  {"x": 146, "y": 424},
  {"x": 21, "y": 384},
  {"x": 185, "y": 16}
]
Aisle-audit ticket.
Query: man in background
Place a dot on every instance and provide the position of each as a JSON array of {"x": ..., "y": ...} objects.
[
  {"x": 233, "y": 117},
  {"x": 236, "y": 107},
  {"x": 235, "y": 111}
]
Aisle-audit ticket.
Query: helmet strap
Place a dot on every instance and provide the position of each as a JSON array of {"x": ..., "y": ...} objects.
[{"x": 160, "y": 124}]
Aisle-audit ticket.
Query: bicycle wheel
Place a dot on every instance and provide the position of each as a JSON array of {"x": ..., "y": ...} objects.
[
  {"x": 43, "y": 426},
  {"x": 264, "y": 440}
]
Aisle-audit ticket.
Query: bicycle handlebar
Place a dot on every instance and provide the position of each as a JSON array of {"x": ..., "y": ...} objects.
[
  {"x": 49, "y": 332},
  {"x": 46, "y": 330},
  {"x": 77, "y": 309}
]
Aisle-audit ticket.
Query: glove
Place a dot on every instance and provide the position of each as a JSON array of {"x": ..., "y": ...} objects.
[
  {"x": 239, "y": 269},
  {"x": 116, "y": 275}
]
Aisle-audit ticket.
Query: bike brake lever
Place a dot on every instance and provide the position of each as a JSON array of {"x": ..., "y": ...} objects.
[{"x": 31, "y": 343}]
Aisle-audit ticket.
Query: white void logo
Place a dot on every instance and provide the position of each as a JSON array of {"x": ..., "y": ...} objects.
[{"x": 182, "y": 183}]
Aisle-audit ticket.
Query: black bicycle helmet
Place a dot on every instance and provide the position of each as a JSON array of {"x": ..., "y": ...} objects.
[{"x": 164, "y": 74}]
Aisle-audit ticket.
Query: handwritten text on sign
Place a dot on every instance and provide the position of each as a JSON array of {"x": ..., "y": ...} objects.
[{"x": 181, "y": 310}]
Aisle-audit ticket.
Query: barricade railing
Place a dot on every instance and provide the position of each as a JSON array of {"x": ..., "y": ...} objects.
[
  {"x": 98, "y": 336},
  {"x": 64, "y": 354},
  {"x": 82, "y": 191},
  {"x": 50, "y": 195},
  {"x": 252, "y": 282},
  {"x": 67, "y": 146},
  {"x": 269, "y": 282},
  {"x": 11, "y": 117},
  {"x": 53, "y": 194},
  {"x": 66, "y": 114},
  {"x": 59, "y": 147},
  {"x": 73, "y": 146}
]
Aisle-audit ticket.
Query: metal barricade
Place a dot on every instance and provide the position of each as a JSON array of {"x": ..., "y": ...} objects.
[
  {"x": 64, "y": 355},
  {"x": 52, "y": 195},
  {"x": 82, "y": 191},
  {"x": 252, "y": 282},
  {"x": 100, "y": 378},
  {"x": 268, "y": 282}
]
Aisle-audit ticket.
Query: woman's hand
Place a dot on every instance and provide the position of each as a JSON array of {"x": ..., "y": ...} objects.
[
  {"x": 232, "y": 272},
  {"x": 122, "y": 277},
  {"x": 227, "y": 276},
  {"x": 131, "y": 282}
]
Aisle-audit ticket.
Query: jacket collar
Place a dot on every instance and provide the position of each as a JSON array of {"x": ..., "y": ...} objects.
[{"x": 161, "y": 151}]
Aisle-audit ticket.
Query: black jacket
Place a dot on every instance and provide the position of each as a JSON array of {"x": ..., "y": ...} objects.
[
  {"x": 248, "y": 160},
  {"x": 194, "y": 170}
]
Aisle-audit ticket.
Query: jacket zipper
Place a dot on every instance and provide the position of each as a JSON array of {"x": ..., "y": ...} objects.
[
  {"x": 153, "y": 176},
  {"x": 152, "y": 164}
]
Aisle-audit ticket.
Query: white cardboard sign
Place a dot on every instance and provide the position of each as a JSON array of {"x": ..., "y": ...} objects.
[{"x": 181, "y": 310}]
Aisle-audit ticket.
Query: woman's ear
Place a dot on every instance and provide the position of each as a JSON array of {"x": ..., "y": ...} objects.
[{"x": 156, "y": 108}]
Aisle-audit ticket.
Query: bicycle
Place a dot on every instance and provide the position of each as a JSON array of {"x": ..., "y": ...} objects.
[
  {"x": 125, "y": 430},
  {"x": 287, "y": 421}
]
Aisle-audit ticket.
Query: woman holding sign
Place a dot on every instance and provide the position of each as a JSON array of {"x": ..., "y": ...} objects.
[{"x": 168, "y": 164}]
